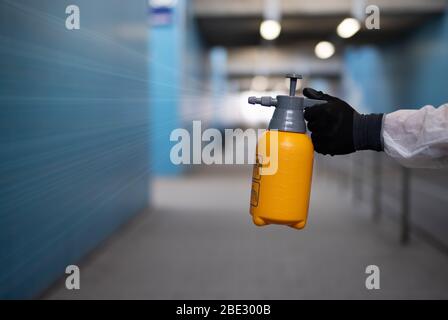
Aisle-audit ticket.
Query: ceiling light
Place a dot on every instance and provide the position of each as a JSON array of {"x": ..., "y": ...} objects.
[
  {"x": 348, "y": 27},
  {"x": 324, "y": 50},
  {"x": 270, "y": 29}
]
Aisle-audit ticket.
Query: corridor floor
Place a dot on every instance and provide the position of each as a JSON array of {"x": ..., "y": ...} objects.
[{"x": 198, "y": 242}]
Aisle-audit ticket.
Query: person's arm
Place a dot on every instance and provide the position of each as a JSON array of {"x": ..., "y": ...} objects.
[{"x": 415, "y": 138}]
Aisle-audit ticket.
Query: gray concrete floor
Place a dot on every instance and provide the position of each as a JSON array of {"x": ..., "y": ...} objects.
[{"x": 198, "y": 242}]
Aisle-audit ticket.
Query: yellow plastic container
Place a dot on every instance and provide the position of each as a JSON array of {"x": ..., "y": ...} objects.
[
  {"x": 281, "y": 181},
  {"x": 283, "y": 198}
]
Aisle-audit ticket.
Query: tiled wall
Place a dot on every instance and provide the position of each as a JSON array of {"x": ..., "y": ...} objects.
[{"x": 73, "y": 133}]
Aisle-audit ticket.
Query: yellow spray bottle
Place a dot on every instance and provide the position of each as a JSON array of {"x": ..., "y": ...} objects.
[{"x": 281, "y": 180}]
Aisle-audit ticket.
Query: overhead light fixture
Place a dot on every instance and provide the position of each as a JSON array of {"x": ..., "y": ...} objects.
[
  {"x": 270, "y": 29},
  {"x": 324, "y": 50},
  {"x": 348, "y": 28}
]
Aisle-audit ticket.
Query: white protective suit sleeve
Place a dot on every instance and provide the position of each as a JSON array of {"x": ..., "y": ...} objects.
[{"x": 417, "y": 138}]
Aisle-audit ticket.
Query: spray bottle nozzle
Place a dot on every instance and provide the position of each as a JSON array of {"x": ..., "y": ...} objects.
[
  {"x": 272, "y": 102},
  {"x": 264, "y": 101},
  {"x": 288, "y": 114}
]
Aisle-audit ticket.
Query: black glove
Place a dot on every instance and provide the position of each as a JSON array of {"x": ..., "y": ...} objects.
[{"x": 337, "y": 128}]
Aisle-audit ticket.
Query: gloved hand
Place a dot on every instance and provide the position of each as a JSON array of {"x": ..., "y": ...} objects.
[{"x": 337, "y": 128}]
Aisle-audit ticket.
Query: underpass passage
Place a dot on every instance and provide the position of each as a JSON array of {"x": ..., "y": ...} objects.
[
  {"x": 381, "y": 183},
  {"x": 204, "y": 246},
  {"x": 86, "y": 120}
]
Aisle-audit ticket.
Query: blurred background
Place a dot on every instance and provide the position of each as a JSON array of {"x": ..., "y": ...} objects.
[{"x": 85, "y": 171}]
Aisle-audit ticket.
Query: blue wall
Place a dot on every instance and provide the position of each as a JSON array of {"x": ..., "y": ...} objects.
[
  {"x": 165, "y": 82},
  {"x": 409, "y": 73},
  {"x": 218, "y": 80},
  {"x": 177, "y": 71},
  {"x": 73, "y": 133}
]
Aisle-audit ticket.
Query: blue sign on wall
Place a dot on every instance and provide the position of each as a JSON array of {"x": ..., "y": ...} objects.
[{"x": 161, "y": 12}]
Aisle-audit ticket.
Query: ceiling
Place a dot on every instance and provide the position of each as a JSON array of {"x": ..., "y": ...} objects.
[
  {"x": 232, "y": 23},
  {"x": 235, "y": 24}
]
